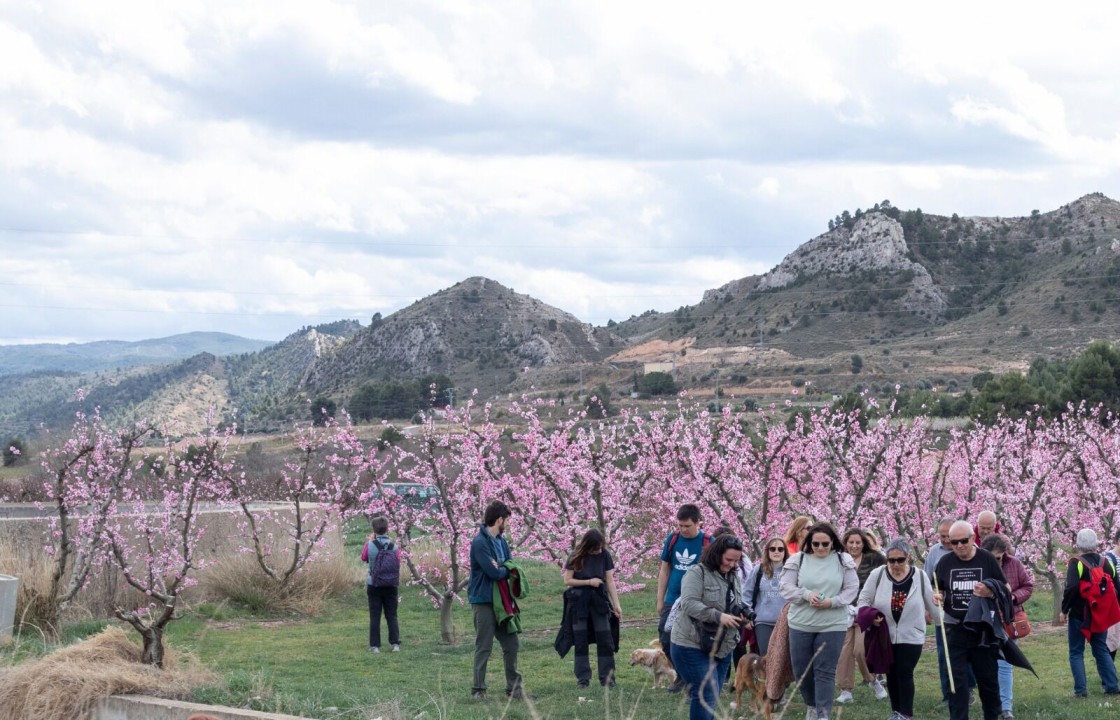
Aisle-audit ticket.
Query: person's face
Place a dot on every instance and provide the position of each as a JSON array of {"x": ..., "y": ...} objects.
[
  {"x": 595, "y": 550},
  {"x": 801, "y": 534},
  {"x": 503, "y": 523},
  {"x": 898, "y": 563},
  {"x": 998, "y": 555},
  {"x": 985, "y": 527},
  {"x": 688, "y": 528},
  {"x": 943, "y": 534},
  {"x": 776, "y": 551},
  {"x": 854, "y": 545},
  {"x": 730, "y": 560},
  {"x": 821, "y": 544},
  {"x": 962, "y": 545}
]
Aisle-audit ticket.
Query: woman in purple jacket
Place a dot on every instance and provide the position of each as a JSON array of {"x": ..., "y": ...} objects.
[{"x": 1021, "y": 583}]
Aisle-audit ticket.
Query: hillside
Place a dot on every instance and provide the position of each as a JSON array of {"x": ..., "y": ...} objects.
[
  {"x": 114, "y": 354},
  {"x": 478, "y": 332}
]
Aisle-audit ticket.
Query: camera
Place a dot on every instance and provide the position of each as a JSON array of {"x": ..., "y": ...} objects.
[{"x": 742, "y": 610}]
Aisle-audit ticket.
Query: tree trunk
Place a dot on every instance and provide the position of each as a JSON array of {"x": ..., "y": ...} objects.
[
  {"x": 153, "y": 646},
  {"x": 1057, "y": 589},
  {"x": 446, "y": 628}
]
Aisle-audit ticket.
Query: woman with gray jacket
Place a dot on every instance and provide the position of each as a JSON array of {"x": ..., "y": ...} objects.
[
  {"x": 904, "y": 596},
  {"x": 710, "y": 592}
]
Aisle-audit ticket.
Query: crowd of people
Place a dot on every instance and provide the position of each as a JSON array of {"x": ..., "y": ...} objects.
[{"x": 816, "y": 605}]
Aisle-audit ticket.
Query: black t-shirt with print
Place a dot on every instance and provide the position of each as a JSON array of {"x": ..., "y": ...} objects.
[{"x": 957, "y": 577}]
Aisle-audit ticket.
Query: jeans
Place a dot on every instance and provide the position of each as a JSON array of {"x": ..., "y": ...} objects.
[
  {"x": 487, "y": 630},
  {"x": 704, "y": 677},
  {"x": 816, "y": 675},
  {"x": 965, "y": 652},
  {"x": 382, "y": 598},
  {"x": 1006, "y": 685},
  {"x": 900, "y": 678},
  {"x": 1105, "y": 666},
  {"x": 762, "y": 635}
]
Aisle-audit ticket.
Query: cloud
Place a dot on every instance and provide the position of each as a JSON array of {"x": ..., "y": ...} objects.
[{"x": 254, "y": 167}]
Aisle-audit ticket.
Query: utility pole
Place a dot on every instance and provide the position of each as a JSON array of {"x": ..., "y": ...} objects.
[{"x": 450, "y": 397}]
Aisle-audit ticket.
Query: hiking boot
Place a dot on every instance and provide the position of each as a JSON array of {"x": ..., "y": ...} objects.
[{"x": 844, "y": 697}]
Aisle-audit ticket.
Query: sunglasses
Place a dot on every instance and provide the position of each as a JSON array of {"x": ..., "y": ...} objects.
[
  {"x": 826, "y": 543},
  {"x": 959, "y": 541},
  {"x": 777, "y": 549},
  {"x": 896, "y": 561}
]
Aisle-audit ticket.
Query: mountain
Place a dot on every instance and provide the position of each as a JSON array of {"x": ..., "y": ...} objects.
[
  {"x": 478, "y": 332},
  {"x": 923, "y": 299},
  {"x": 115, "y": 354}
]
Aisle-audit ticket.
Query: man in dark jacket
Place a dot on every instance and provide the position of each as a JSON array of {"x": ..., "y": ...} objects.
[
  {"x": 960, "y": 576},
  {"x": 1075, "y": 608},
  {"x": 489, "y": 550}
]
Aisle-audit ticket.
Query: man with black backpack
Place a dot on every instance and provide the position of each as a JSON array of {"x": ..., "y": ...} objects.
[
  {"x": 382, "y": 583},
  {"x": 1091, "y": 601}
]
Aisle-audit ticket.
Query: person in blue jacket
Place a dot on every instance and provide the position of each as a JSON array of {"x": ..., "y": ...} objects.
[{"x": 489, "y": 550}]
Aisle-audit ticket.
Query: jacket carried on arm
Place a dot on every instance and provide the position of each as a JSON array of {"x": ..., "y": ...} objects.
[
  {"x": 507, "y": 592},
  {"x": 484, "y": 552}
]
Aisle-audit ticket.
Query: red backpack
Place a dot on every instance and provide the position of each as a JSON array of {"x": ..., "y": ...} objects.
[{"x": 1099, "y": 592}]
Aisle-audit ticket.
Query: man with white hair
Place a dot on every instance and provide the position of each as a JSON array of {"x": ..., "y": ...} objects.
[
  {"x": 986, "y": 524},
  {"x": 1077, "y": 610},
  {"x": 960, "y": 577}
]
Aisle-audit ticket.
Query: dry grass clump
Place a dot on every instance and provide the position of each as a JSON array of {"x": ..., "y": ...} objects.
[
  {"x": 239, "y": 579},
  {"x": 36, "y": 606},
  {"x": 65, "y": 684}
]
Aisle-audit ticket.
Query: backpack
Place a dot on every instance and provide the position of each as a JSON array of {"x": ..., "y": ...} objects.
[
  {"x": 385, "y": 566},
  {"x": 1099, "y": 592}
]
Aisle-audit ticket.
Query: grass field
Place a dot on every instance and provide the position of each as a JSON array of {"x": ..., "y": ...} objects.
[{"x": 321, "y": 668}]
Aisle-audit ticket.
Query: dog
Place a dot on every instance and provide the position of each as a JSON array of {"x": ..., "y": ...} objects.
[
  {"x": 750, "y": 676},
  {"x": 654, "y": 660}
]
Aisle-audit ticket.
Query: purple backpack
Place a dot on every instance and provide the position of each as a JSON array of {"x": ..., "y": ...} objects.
[{"x": 385, "y": 566}]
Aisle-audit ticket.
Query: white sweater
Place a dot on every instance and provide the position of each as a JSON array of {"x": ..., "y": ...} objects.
[{"x": 911, "y": 626}]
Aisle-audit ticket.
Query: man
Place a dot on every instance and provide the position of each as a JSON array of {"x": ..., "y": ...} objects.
[
  {"x": 1079, "y": 614},
  {"x": 960, "y": 577},
  {"x": 489, "y": 550},
  {"x": 680, "y": 551},
  {"x": 986, "y": 524},
  {"x": 936, "y": 552}
]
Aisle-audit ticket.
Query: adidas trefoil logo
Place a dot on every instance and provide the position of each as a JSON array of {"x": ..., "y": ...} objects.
[{"x": 684, "y": 559}]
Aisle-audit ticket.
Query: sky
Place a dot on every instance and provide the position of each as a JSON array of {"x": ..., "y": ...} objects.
[{"x": 256, "y": 167}]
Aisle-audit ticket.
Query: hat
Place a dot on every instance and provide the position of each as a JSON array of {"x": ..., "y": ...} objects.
[{"x": 1087, "y": 540}]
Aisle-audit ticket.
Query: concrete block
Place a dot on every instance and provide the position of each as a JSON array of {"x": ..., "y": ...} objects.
[
  {"x": 143, "y": 707},
  {"x": 9, "y": 589}
]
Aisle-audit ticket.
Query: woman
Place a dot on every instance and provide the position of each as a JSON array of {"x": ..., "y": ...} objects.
[
  {"x": 594, "y": 597},
  {"x": 865, "y": 554},
  {"x": 796, "y": 533},
  {"x": 1021, "y": 583},
  {"x": 820, "y": 583},
  {"x": 711, "y": 593},
  {"x": 903, "y": 597},
  {"x": 762, "y": 591}
]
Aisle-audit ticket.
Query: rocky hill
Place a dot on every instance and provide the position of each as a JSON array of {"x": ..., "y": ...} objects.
[{"x": 478, "y": 332}]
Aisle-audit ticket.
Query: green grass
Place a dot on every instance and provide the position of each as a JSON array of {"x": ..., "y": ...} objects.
[{"x": 321, "y": 668}]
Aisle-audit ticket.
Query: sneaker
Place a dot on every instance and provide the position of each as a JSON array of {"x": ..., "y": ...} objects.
[
  {"x": 972, "y": 698},
  {"x": 844, "y": 697},
  {"x": 375, "y": 649},
  {"x": 1006, "y": 715},
  {"x": 811, "y": 713},
  {"x": 396, "y": 647},
  {"x": 518, "y": 694},
  {"x": 583, "y": 684},
  {"x": 880, "y": 691},
  {"x": 478, "y": 695},
  {"x": 1081, "y": 694}
]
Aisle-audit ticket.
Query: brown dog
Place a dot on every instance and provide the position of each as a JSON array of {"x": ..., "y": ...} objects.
[
  {"x": 654, "y": 660},
  {"x": 750, "y": 675}
]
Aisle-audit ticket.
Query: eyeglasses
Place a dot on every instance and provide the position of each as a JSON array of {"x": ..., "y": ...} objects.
[
  {"x": 959, "y": 541},
  {"x": 826, "y": 543},
  {"x": 896, "y": 561},
  {"x": 780, "y": 548}
]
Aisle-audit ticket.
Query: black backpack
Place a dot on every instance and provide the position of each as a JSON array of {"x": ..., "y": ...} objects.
[{"x": 385, "y": 566}]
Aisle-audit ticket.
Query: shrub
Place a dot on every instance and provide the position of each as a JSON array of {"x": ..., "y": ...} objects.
[{"x": 239, "y": 580}]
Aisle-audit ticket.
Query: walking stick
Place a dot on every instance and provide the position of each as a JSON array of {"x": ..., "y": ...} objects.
[{"x": 944, "y": 636}]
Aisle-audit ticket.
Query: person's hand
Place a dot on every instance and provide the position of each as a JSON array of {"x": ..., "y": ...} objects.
[
  {"x": 812, "y": 598},
  {"x": 494, "y": 562},
  {"x": 937, "y": 597},
  {"x": 982, "y": 590},
  {"x": 618, "y": 611},
  {"x": 877, "y": 621},
  {"x": 659, "y": 607},
  {"x": 929, "y": 618},
  {"x": 729, "y": 621},
  {"x": 1061, "y": 617},
  {"x": 821, "y": 603},
  {"x": 594, "y": 582}
]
